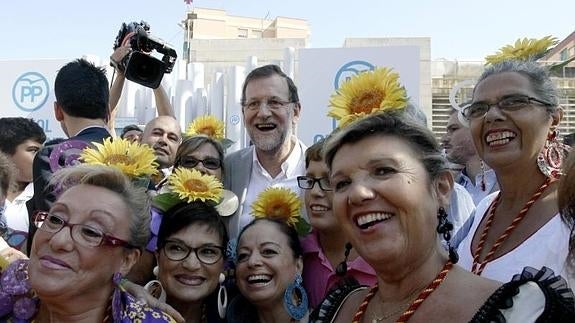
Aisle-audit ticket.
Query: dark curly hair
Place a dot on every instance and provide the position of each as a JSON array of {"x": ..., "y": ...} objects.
[{"x": 15, "y": 131}]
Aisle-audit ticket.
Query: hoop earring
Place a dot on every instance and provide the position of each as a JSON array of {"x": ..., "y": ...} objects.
[
  {"x": 445, "y": 227},
  {"x": 155, "y": 288},
  {"x": 341, "y": 268},
  {"x": 296, "y": 310},
  {"x": 222, "y": 297},
  {"x": 551, "y": 157}
]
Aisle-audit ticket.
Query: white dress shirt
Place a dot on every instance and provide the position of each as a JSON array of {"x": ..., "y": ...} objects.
[{"x": 260, "y": 179}]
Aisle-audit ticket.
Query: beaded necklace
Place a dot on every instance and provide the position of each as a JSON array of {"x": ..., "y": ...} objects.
[
  {"x": 358, "y": 317},
  {"x": 478, "y": 265}
]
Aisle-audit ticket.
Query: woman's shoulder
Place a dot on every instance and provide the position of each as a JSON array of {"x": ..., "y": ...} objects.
[
  {"x": 533, "y": 295},
  {"x": 126, "y": 308},
  {"x": 340, "y": 303}
]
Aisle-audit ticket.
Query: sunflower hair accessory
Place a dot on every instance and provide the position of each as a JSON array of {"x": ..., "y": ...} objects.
[
  {"x": 209, "y": 126},
  {"x": 366, "y": 93},
  {"x": 189, "y": 185},
  {"x": 135, "y": 160},
  {"x": 526, "y": 49},
  {"x": 280, "y": 204}
]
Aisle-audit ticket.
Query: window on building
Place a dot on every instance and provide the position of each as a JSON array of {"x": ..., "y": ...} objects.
[
  {"x": 569, "y": 71},
  {"x": 242, "y": 33},
  {"x": 257, "y": 33},
  {"x": 564, "y": 54}
]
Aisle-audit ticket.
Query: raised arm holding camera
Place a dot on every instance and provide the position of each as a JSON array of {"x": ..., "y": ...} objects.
[{"x": 131, "y": 60}]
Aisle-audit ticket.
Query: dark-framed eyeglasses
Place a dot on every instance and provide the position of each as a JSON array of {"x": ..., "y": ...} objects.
[
  {"x": 271, "y": 103},
  {"x": 84, "y": 235},
  {"x": 209, "y": 162},
  {"x": 507, "y": 104},
  {"x": 206, "y": 254},
  {"x": 307, "y": 183}
]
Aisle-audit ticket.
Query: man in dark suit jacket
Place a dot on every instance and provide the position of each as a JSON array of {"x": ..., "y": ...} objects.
[
  {"x": 81, "y": 107},
  {"x": 271, "y": 110}
]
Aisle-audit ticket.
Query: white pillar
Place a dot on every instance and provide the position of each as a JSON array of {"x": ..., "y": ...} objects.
[
  {"x": 183, "y": 101},
  {"x": 234, "y": 124},
  {"x": 216, "y": 96},
  {"x": 289, "y": 61}
]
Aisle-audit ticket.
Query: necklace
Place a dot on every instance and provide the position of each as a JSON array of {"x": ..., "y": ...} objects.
[
  {"x": 358, "y": 317},
  {"x": 478, "y": 265}
]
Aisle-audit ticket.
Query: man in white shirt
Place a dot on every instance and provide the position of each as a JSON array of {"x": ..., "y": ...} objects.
[
  {"x": 271, "y": 110},
  {"x": 459, "y": 149},
  {"x": 20, "y": 140}
]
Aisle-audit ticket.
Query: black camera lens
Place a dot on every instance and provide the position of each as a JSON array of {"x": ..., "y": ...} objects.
[{"x": 145, "y": 70}]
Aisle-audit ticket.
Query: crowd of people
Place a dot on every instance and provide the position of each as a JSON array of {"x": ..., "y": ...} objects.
[{"x": 372, "y": 224}]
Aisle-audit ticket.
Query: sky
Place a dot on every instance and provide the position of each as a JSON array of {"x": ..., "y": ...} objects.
[{"x": 459, "y": 29}]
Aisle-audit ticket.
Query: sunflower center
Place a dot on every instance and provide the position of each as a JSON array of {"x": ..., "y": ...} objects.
[
  {"x": 279, "y": 210},
  {"x": 208, "y": 131},
  {"x": 367, "y": 101},
  {"x": 194, "y": 185},
  {"x": 118, "y": 159}
]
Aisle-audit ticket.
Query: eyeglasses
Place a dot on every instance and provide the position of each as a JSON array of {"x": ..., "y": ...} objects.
[
  {"x": 307, "y": 183},
  {"x": 178, "y": 251},
  {"x": 508, "y": 104},
  {"x": 84, "y": 235},
  {"x": 209, "y": 163},
  {"x": 272, "y": 104}
]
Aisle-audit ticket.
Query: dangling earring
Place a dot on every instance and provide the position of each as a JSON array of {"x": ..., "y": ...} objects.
[
  {"x": 552, "y": 155},
  {"x": 296, "y": 310},
  {"x": 445, "y": 227},
  {"x": 341, "y": 268},
  {"x": 483, "y": 186},
  {"x": 155, "y": 288},
  {"x": 222, "y": 297}
]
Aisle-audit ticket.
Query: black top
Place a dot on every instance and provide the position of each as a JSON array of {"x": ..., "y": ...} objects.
[{"x": 559, "y": 299}]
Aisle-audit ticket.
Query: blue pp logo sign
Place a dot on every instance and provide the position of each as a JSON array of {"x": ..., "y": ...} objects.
[
  {"x": 235, "y": 119},
  {"x": 30, "y": 91},
  {"x": 350, "y": 69}
]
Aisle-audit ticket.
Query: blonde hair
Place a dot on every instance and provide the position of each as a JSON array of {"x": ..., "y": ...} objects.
[{"x": 136, "y": 198}]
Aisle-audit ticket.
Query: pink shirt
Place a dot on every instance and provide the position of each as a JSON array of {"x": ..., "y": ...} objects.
[{"x": 318, "y": 274}]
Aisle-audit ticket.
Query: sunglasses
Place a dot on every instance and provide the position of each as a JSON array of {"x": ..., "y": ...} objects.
[{"x": 209, "y": 163}]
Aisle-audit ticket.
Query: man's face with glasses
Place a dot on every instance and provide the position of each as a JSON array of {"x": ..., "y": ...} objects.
[
  {"x": 269, "y": 115},
  {"x": 81, "y": 242},
  {"x": 204, "y": 159},
  {"x": 190, "y": 262}
]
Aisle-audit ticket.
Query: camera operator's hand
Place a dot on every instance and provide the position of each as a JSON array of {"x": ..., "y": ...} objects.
[{"x": 118, "y": 55}]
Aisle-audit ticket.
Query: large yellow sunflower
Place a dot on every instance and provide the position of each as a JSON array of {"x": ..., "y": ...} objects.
[
  {"x": 277, "y": 203},
  {"x": 523, "y": 49},
  {"x": 191, "y": 185},
  {"x": 132, "y": 158},
  {"x": 206, "y": 125},
  {"x": 366, "y": 93}
]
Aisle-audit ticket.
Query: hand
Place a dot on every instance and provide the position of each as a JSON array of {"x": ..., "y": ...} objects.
[
  {"x": 143, "y": 296},
  {"x": 119, "y": 54},
  {"x": 9, "y": 255}
]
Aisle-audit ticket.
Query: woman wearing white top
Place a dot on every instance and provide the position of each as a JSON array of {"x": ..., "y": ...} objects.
[{"x": 513, "y": 120}]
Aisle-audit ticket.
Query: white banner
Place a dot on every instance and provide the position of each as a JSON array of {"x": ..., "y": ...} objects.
[
  {"x": 321, "y": 71},
  {"x": 27, "y": 90}
]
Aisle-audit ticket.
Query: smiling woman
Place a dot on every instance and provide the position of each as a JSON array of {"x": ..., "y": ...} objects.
[
  {"x": 268, "y": 274},
  {"x": 513, "y": 118},
  {"x": 80, "y": 253},
  {"x": 390, "y": 201}
]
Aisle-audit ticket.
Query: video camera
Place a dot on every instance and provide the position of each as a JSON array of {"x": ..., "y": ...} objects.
[{"x": 139, "y": 66}]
